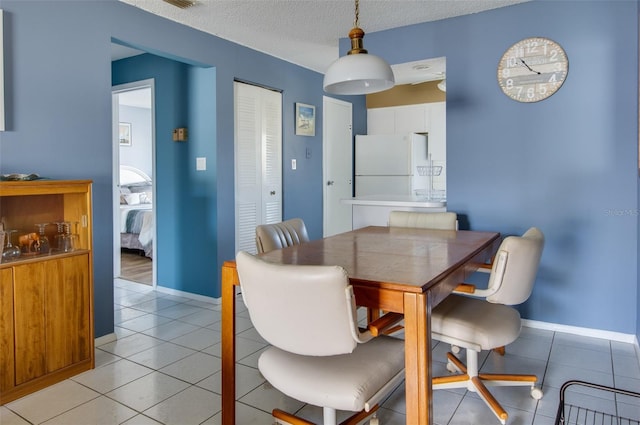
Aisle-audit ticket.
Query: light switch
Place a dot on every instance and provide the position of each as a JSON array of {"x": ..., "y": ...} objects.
[
  {"x": 201, "y": 164},
  {"x": 293, "y": 164}
]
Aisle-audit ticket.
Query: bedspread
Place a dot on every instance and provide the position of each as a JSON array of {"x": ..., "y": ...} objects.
[{"x": 140, "y": 222}]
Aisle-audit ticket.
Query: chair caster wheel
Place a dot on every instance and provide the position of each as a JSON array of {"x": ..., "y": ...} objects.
[
  {"x": 536, "y": 393},
  {"x": 451, "y": 367}
]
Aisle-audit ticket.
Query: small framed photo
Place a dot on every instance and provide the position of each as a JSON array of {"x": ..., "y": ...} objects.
[
  {"x": 125, "y": 134},
  {"x": 305, "y": 120}
]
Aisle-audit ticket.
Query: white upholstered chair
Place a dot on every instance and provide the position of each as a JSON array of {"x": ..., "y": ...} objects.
[
  {"x": 483, "y": 324},
  {"x": 280, "y": 235},
  {"x": 424, "y": 220},
  {"x": 318, "y": 355}
]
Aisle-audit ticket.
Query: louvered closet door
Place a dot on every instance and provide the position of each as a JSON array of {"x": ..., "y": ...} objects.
[{"x": 258, "y": 161}]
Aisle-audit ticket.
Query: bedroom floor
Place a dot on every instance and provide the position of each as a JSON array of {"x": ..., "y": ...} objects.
[
  {"x": 136, "y": 267},
  {"x": 165, "y": 369}
]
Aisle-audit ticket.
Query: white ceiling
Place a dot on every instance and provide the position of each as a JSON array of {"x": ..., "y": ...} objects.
[{"x": 306, "y": 32}]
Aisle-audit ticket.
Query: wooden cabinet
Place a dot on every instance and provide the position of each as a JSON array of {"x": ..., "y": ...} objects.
[{"x": 46, "y": 300}]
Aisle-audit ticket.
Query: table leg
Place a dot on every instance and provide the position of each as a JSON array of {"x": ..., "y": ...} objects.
[
  {"x": 229, "y": 277},
  {"x": 417, "y": 333}
]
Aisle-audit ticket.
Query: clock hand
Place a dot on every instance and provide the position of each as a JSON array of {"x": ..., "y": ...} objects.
[{"x": 527, "y": 66}]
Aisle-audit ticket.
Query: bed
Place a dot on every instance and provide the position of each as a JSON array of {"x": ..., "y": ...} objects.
[{"x": 136, "y": 210}]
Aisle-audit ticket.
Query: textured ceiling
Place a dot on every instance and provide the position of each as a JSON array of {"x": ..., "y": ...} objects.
[{"x": 306, "y": 32}]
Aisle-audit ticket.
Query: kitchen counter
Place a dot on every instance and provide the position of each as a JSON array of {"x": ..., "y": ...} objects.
[
  {"x": 394, "y": 200},
  {"x": 373, "y": 210}
]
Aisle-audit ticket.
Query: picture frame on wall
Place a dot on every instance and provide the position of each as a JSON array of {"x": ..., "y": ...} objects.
[
  {"x": 305, "y": 120},
  {"x": 125, "y": 134}
]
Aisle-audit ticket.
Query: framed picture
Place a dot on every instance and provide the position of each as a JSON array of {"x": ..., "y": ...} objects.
[
  {"x": 305, "y": 120},
  {"x": 125, "y": 134}
]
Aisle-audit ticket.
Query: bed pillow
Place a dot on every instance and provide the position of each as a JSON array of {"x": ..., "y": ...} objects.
[
  {"x": 139, "y": 187},
  {"x": 146, "y": 197},
  {"x": 132, "y": 198}
]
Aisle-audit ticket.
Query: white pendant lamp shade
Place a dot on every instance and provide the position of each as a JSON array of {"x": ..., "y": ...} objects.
[{"x": 360, "y": 73}]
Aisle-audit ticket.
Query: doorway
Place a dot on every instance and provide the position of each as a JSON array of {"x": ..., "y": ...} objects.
[{"x": 133, "y": 174}]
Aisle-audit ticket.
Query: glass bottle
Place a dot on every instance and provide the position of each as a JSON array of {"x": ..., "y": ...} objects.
[
  {"x": 43, "y": 242},
  {"x": 10, "y": 251}
]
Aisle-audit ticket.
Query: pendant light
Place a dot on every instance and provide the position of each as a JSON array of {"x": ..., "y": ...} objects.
[{"x": 358, "y": 72}]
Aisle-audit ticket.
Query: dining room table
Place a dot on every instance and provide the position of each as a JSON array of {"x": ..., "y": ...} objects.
[{"x": 391, "y": 269}]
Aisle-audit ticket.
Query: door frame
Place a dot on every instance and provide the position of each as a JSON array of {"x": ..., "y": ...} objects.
[{"x": 115, "y": 113}]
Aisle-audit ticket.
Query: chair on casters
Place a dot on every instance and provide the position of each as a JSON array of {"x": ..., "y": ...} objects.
[
  {"x": 280, "y": 235},
  {"x": 484, "y": 324},
  {"x": 318, "y": 355},
  {"x": 424, "y": 220}
]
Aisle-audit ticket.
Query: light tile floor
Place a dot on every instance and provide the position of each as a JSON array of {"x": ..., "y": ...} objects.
[{"x": 165, "y": 368}]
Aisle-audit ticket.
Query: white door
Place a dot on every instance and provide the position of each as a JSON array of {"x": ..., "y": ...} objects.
[
  {"x": 337, "y": 165},
  {"x": 258, "y": 161}
]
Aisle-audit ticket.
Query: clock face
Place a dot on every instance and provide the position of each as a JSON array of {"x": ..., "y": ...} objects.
[{"x": 532, "y": 69}]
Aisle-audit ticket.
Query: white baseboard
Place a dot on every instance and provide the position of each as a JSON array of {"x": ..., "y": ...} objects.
[
  {"x": 575, "y": 330},
  {"x": 197, "y": 297}
]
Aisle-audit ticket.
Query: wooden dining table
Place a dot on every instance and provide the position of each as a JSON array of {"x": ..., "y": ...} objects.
[{"x": 404, "y": 270}]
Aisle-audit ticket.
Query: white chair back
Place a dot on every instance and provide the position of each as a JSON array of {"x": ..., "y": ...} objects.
[
  {"x": 306, "y": 310},
  {"x": 280, "y": 235},
  {"x": 515, "y": 267},
  {"x": 423, "y": 220}
]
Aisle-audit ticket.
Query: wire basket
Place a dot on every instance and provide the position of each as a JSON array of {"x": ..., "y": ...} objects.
[
  {"x": 429, "y": 170},
  {"x": 570, "y": 413}
]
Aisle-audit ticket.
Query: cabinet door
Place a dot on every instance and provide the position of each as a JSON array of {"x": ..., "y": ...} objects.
[
  {"x": 30, "y": 342},
  {"x": 411, "y": 119},
  {"x": 7, "y": 367},
  {"x": 67, "y": 312},
  {"x": 52, "y": 309},
  {"x": 381, "y": 121}
]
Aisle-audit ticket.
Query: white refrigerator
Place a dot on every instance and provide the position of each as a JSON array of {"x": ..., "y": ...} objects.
[{"x": 387, "y": 164}]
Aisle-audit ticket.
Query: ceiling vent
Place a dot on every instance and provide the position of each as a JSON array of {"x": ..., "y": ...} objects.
[{"x": 182, "y": 4}]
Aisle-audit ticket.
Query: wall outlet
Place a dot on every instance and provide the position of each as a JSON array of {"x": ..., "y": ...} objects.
[{"x": 293, "y": 164}]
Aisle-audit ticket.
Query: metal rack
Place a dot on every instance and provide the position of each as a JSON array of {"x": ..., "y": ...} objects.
[{"x": 572, "y": 414}]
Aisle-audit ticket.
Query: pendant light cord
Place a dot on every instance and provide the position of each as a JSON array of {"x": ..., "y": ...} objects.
[{"x": 356, "y": 22}]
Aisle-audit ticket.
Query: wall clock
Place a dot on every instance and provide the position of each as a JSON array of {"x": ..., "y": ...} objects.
[{"x": 532, "y": 69}]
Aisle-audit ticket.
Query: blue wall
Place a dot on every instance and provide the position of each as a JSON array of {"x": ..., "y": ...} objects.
[
  {"x": 139, "y": 153},
  {"x": 184, "y": 97},
  {"x": 568, "y": 165}
]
